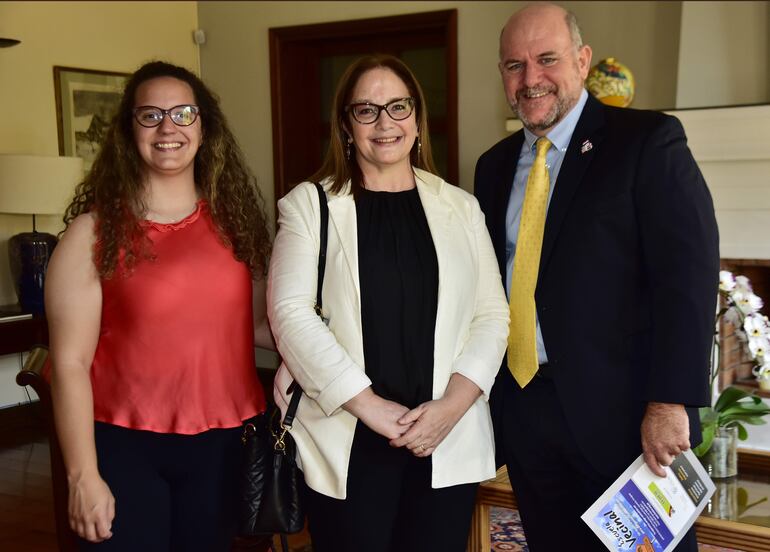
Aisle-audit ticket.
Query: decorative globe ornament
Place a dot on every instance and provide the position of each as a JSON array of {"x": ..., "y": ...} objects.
[{"x": 611, "y": 82}]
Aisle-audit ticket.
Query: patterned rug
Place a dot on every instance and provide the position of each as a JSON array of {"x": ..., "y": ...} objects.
[
  {"x": 504, "y": 525},
  {"x": 508, "y": 535}
]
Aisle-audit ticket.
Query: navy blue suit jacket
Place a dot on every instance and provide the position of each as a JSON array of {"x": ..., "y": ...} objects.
[{"x": 628, "y": 276}]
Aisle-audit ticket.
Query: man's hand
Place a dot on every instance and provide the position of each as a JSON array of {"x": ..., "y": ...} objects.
[{"x": 665, "y": 433}]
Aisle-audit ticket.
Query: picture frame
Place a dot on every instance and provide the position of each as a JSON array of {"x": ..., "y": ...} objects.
[{"x": 86, "y": 101}]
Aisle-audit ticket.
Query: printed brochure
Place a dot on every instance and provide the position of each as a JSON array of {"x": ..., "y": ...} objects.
[{"x": 643, "y": 512}]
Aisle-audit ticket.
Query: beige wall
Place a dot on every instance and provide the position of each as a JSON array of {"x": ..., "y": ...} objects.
[
  {"x": 723, "y": 56},
  {"x": 642, "y": 35},
  {"x": 732, "y": 148},
  {"x": 235, "y": 61},
  {"x": 116, "y": 36}
]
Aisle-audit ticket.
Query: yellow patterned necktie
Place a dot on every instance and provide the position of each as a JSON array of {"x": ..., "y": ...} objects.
[{"x": 522, "y": 350}]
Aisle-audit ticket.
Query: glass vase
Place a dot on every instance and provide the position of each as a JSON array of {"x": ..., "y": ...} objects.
[
  {"x": 722, "y": 458},
  {"x": 723, "y": 503}
]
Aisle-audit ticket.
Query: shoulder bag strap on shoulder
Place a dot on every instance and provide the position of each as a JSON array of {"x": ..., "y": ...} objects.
[
  {"x": 324, "y": 236},
  {"x": 296, "y": 391}
]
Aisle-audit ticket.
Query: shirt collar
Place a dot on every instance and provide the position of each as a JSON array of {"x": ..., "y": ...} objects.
[{"x": 561, "y": 134}]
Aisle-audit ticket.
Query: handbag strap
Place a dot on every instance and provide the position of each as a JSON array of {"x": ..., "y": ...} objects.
[
  {"x": 291, "y": 411},
  {"x": 296, "y": 390},
  {"x": 324, "y": 236}
]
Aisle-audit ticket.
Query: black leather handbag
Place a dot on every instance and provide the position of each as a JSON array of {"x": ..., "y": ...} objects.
[{"x": 271, "y": 481}]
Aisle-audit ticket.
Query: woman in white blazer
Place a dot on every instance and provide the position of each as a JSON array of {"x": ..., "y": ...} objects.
[{"x": 394, "y": 432}]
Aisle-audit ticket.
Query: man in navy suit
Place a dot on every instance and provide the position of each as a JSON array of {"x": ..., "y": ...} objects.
[{"x": 625, "y": 293}]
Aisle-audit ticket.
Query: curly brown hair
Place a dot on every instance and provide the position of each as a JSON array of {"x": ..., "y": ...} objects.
[
  {"x": 114, "y": 187},
  {"x": 336, "y": 164}
]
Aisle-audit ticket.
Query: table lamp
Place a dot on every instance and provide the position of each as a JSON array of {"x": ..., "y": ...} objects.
[{"x": 34, "y": 185}]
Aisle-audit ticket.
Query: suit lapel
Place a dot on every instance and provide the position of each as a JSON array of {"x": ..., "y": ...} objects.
[
  {"x": 502, "y": 193},
  {"x": 576, "y": 161},
  {"x": 342, "y": 215}
]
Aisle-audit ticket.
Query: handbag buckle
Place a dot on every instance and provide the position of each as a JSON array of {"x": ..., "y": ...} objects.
[
  {"x": 319, "y": 312},
  {"x": 280, "y": 444},
  {"x": 248, "y": 430}
]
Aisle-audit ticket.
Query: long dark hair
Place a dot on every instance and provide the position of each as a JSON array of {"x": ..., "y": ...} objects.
[
  {"x": 114, "y": 187},
  {"x": 336, "y": 165}
]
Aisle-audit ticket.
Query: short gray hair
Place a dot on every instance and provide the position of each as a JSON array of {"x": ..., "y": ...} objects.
[
  {"x": 570, "y": 19},
  {"x": 574, "y": 30}
]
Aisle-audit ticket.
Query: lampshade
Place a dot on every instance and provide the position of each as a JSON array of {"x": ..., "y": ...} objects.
[
  {"x": 37, "y": 185},
  {"x": 34, "y": 185}
]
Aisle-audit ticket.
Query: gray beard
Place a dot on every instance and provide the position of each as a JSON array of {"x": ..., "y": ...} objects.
[{"x": 558, "y": 111}]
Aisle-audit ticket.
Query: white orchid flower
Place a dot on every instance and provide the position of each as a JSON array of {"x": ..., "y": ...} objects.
[
  {"x": 741, "y": 309},
  {"x": 743, "y": 284},
  {"x": 758, "y": 346},
  {"x": 761, "y": 370},
  {"x": 755, "y": 325},
  {"x": 726, "y": 281},
  {"x": 733, "y": 316},
  {"x": 747, "y": 301}
]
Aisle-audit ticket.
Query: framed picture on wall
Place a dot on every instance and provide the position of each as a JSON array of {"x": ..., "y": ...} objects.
[{"x": 86, "y": 101}]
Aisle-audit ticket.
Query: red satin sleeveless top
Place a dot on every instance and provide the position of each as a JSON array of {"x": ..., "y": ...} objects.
[{"x": 176, "y": 346}]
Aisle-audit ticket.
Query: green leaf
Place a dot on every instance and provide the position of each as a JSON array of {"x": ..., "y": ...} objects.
[
  {"x": 742, "y": 433},
  {"x": 752, "y": 403},
  {"x": 750, "y": 419},
  {"x": 750, "y": 505},
  {"x": 743, "y": 500},
  {"x": 747, "y": 408},
  {"x": 728, "y": 397},
  {"x": 707, "y": 430},
  {"x": 707, "y": 415},
  {"x": 743, "y": 412}
]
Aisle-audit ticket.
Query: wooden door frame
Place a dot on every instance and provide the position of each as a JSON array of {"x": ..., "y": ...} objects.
[{"x": 282, "y": 37}]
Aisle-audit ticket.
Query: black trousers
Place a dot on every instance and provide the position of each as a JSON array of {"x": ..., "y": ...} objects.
[
  {"x": 390, "y": 505},
  {"x": 172, "y": 492},
  {"x": 550, "y": 477}
]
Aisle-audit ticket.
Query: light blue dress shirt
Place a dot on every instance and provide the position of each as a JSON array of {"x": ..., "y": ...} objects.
[{"x": 559, "y": 136}]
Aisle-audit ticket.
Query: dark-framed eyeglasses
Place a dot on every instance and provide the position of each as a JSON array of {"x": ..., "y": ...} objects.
[
  {"x": 366, "y": 113},
  {"x": 181, "y": 115}
]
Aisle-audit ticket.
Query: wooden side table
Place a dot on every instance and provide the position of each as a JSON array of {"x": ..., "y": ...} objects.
[
  {"x": 18, "y": 336},
  {"x": 495, "y": 492},
  {"x": 745, "y": 536}
]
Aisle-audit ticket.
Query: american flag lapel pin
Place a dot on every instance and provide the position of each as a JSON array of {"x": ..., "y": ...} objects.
[{"x": 586, "y": 146}]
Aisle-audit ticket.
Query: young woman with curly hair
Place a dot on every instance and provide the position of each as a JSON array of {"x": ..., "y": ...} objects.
[{"x": 155, "y": 299}]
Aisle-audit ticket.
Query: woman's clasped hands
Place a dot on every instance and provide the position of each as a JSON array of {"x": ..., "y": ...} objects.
[
  {"x": 422, "y": 428},
  {"x": 427, "y": 425}
]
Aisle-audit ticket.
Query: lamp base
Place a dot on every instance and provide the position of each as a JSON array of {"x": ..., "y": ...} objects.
[{"x": 28, "y": 255}]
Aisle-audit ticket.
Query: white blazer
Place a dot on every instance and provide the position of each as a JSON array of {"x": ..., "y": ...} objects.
[{"x": 328, "y": 362}]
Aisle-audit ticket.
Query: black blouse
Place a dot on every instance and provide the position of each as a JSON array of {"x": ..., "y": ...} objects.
[{"x": 398, "y": 273}]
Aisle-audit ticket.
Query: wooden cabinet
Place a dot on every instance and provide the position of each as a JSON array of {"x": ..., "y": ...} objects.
[{"x": 18, "y": 336}]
